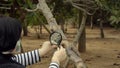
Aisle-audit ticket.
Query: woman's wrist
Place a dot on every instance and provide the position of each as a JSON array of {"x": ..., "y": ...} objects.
[
  {"x": 41, "y": 52},
  {"x": 55, "y": 60}
]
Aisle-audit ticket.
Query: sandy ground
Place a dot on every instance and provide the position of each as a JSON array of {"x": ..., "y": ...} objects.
[{"x": 100, "y": 53}]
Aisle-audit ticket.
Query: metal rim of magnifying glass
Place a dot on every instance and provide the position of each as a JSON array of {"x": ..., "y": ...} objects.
[{"x": 52, "y": 34}]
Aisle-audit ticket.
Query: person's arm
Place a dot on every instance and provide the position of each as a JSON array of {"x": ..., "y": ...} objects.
[
  {"x": 33, "y": 57},
  {"x": 27, "y": 58},
  {"x": 59, "y": 56}
]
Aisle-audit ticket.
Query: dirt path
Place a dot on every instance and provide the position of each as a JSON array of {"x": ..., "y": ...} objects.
[{"x": 101, "y": 53}]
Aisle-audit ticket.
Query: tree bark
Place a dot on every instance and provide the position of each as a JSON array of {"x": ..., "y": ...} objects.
[
  {"x": 49, "y": 16},
  {"x": 25, "y": 31},
  {"x": 73, "y": 25},
  {"x": 24, "y": 24},
  {"x": 40, "y": 28},
  {"x": 22, "y": 51},
  {"x": 82, "y": 38},
  {"x": 66, "y": 27},
  {"x": 82, "y": 42},
  {"x": 101, "y": 29},
  {"x": 91, "y": 22}
]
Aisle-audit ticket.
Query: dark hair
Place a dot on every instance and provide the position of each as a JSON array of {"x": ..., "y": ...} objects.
[{"x": 10, "y": 31}]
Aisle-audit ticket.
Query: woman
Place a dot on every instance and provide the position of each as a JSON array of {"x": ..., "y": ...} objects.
[{"x": 10, "y": 31}]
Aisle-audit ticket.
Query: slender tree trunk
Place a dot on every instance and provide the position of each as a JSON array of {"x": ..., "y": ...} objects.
[
  {"x": 80, "y": 15},
  {"x": 12, "y": 11},
  {"x": 66, "y": 27},
  {"x": 24, "y": 24},
  {"x": 82, "y": 42},
  {"x": 62, "y": 27},
  {"x": 82, "y": 38},
  {"x": 25, "y": 31},
  {"x": 40, "y": 28},
  {"x": 73, "y": 25},
  {"x": 22, "y": 51},
  {"x": 101, "y": 23},
  {"x": 39, "y": 31},
  {"x": 101, "y": 29},
  {"x": 91, "y": 22},
  {"x": 74, "y": 54}
]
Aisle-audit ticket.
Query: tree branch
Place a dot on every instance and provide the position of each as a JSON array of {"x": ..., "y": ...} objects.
[
  {"x": 72, "y": 52},
  {"x": 32, "y": 10},
  {"x": 85, "y": 6},
  {"x": 8, "y": 8},
  {"x": 82, "y": 9}
]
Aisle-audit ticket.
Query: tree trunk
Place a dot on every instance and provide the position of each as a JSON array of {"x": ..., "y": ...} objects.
[
  {"x": 49, "y": 16},
  {"x": 66, "y": 27},
  {"x": 40, "y": 29},
  {"x": 101, "y": 29},
  {"x": 37, "y": 30},
  {"x": 91, "y": 22},
  {"x": 82, "y": 38},
  {"x": 82, "y": 42},
  {"x": 73, "y": 25},
  {"x": 24, "y": 24},
  {"x": 12, "y": 11},
  {"x": 22, "y": 51},
  {"x": 74, "y": 54},
  {"x": 25, "y": 31}
]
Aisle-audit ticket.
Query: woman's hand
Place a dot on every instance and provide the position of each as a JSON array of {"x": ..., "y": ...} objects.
[
  {"x": 46, "y": 48},
  {"x": 65, "y": 43},
  {"x": 59, "y": 55}
]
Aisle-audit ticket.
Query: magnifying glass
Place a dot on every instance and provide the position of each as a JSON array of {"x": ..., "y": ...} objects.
[{"x": 55, "y": 38}]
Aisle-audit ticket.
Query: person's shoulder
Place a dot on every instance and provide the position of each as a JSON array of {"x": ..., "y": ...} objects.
[{"x": 11, "y": 65}]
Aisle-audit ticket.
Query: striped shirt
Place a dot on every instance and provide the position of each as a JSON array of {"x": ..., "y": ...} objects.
[
  {"x": 54, "y": 65},
  {"x": 27, "y": 58},
  {"x": 30, "y": 58}
]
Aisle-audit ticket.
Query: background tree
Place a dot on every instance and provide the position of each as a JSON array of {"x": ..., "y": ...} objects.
[
  {"x": 87, "y": 7},
  {"x": 112, "y": 8}
]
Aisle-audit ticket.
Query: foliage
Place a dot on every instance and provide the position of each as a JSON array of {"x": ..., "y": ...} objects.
[
  {"x": 33, "y": 18},
  {"x": 63, "y": 10},
  {"x": 113, "y": 7},
  {"x": 114, "y": 19}
]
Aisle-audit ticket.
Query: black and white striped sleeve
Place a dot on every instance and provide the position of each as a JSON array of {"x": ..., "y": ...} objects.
[
  {"x": 54, "y": 65},
  {"x": 27, "y": 58}
]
